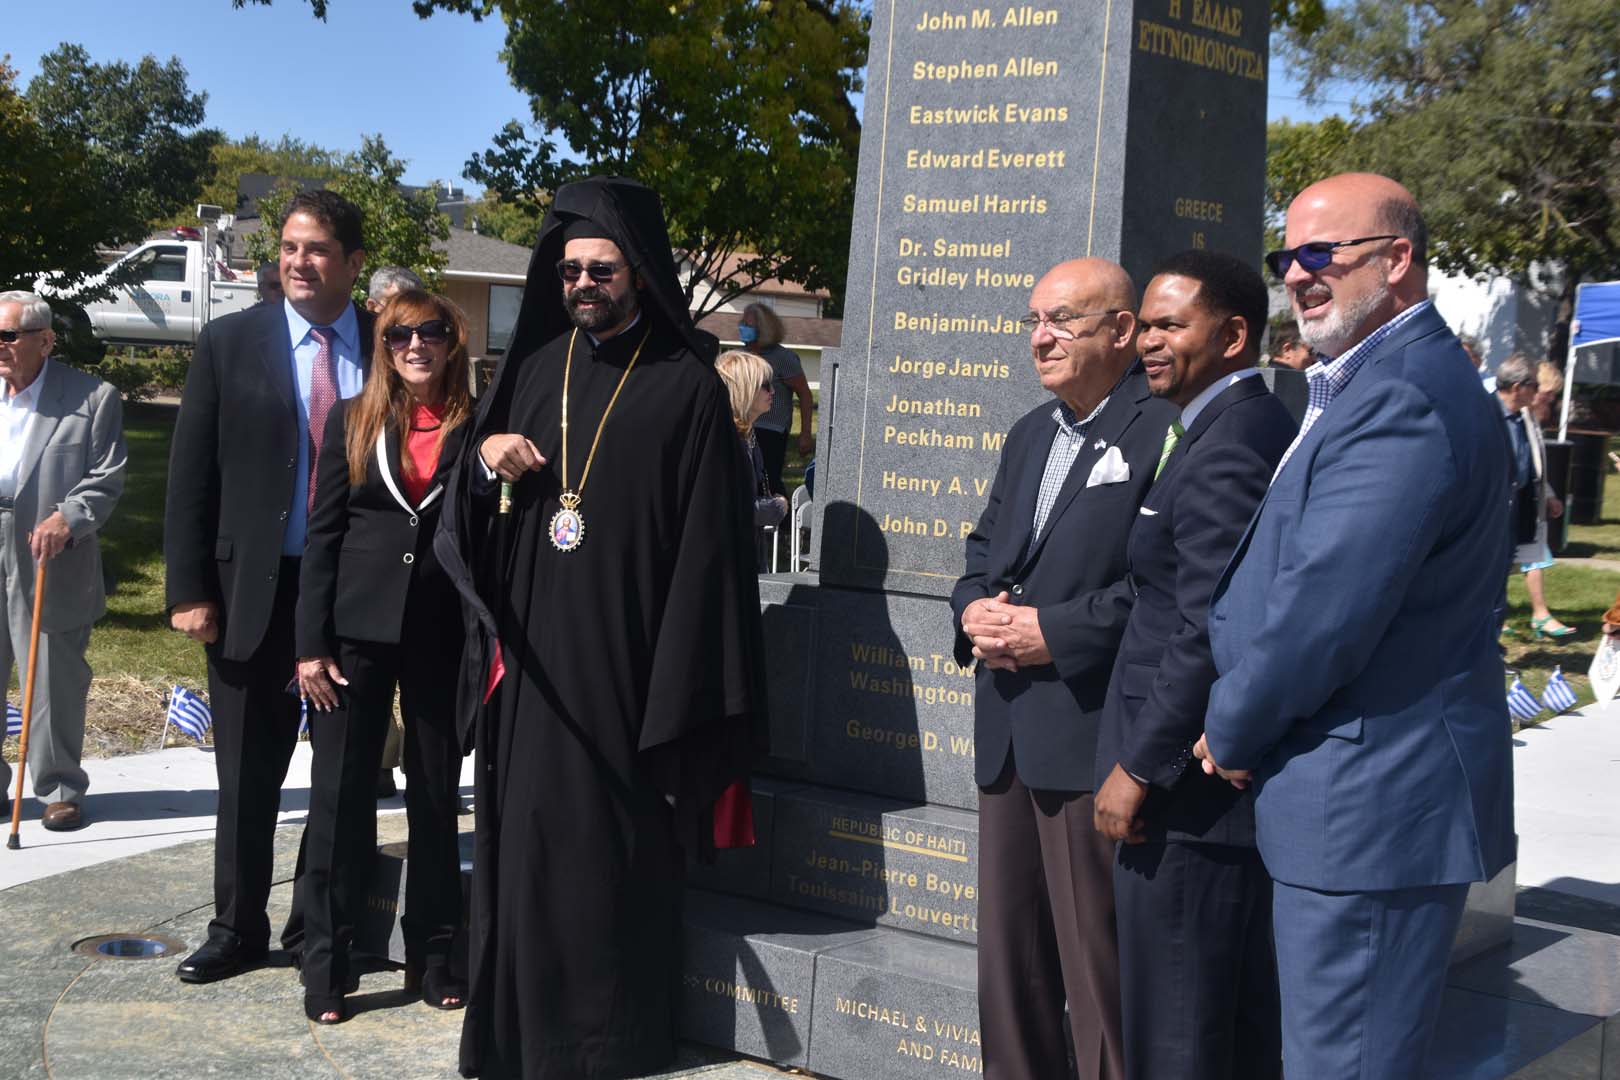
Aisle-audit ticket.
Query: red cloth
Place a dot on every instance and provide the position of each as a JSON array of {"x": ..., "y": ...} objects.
[
  {"x": 422, "y": 447},
  {"x": 734, "y": 817},
  {"x": 497, "y": 671}
]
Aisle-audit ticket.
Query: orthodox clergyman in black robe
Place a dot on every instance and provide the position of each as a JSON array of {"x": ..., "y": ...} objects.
[{"x": 619, "y": 596}]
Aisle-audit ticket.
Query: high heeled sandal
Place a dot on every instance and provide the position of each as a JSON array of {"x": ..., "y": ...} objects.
[{"x": 1539, "y": 625}]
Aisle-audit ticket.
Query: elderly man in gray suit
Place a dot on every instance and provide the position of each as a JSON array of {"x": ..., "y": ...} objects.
[{"x": 61, "y": 473}]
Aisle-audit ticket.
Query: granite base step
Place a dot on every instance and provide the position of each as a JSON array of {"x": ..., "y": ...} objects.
[
  {"x": 854, "y": 1002},
  {"x": 891, "y": 863}
]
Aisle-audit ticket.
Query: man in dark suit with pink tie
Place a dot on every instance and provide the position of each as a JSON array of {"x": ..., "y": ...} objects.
[{"x": 241, "y": 471}]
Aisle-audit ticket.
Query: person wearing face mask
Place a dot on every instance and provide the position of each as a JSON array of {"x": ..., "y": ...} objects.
[
  {"x": 761, "y": 332},
  {"x": 376, "y": 610}
]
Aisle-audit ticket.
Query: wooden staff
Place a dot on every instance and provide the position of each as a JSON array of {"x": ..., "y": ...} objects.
[{"x": 28, "y": 704}]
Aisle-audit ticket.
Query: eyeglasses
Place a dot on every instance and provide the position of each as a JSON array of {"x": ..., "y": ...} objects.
[
  {"x": 1058, "y": 323},
  {"x": 599, "y": 272},
  {"x": 432, "y": 332},
  {"x": 9, "y": 337},
  {"x": 1314, "y": 255},
  {"x": 768, "y": 388}
]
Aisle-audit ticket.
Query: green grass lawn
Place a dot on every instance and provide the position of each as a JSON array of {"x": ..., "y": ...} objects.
[
  {"x": 134, "y": 656},
  {"x": 134, "y": 638}
]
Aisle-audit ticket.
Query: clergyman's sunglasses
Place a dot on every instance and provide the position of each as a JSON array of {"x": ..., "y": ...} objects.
[
  {"x": 1314, "y": 255},
  {"x": 10, "y": 337},
  {"x": 432, "y": 332},
  {"x": 599, "y": 272}
]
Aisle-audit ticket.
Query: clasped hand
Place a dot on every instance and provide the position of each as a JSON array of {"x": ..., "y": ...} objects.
[
  {"x": 1005, "y": 636},
  {"x": 1238, "y": 778}
]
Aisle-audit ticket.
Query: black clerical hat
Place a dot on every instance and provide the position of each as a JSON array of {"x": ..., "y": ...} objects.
[{"x": 628, "y": 213}]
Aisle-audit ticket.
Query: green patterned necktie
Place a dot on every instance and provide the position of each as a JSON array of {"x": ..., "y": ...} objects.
[{"x": 1172, "y": 436}]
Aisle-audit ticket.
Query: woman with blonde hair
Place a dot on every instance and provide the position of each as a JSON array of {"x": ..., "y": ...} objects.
[
  {"x": 376, "y": 610},
  {"x": 760, "y": 330},
  {"x": 749, "y": 382}
]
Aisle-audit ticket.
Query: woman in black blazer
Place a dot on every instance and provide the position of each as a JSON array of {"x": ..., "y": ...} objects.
[{"x": 375, "y": 610}]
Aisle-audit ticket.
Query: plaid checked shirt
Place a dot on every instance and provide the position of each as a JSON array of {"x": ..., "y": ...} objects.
[
  {"x": 1326, "y": 381},
  {"x": 1067, "y": 442}
]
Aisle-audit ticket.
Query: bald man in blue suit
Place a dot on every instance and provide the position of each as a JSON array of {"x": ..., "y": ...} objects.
[{"x": 1360, "y": 686}]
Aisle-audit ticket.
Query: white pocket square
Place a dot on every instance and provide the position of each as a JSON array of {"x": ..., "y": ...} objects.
[
  {"x": 1145, "y": 510},
  {"x": 1111, "y": 468}
]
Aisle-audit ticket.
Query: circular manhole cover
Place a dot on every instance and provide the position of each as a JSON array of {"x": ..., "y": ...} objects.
[{"x": 128, "y": 946}]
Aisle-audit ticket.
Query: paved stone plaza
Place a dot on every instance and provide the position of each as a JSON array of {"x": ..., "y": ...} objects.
[
  {"x": 65, "y": 1015},
  {"x": 1543, "y": 1007}
]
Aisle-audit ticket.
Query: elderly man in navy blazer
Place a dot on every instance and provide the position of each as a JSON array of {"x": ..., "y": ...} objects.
[
  {"x": 1041, "y": 606},
  {"x": 1193, "y": 902},
  {"x": 1360, "y": 686}
]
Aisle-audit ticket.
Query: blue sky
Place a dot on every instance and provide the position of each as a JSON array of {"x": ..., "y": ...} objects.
[{"x": 435, "y": 89}]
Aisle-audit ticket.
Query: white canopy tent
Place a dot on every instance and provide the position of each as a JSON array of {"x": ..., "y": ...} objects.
[{"x": 1596, "y": 322}]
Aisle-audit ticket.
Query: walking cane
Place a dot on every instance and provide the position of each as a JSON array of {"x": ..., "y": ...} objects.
[{"x": 28, "y": 704}]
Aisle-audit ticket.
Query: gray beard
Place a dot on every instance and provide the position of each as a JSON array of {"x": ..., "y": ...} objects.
[{"x": 1333, "y": 336}]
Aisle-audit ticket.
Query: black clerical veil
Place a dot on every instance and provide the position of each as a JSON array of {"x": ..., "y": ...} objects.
[{"x": 629, "y": 214}]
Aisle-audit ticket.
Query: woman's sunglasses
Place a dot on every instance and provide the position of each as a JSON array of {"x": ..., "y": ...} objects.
[
  {"x": 432, "y": 332},
  {"x": 599, "y": 272},
  {"x": 1314, "y": 255}
]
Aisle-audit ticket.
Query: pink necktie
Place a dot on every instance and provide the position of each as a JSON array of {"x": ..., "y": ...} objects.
[{"x": 322, "y": 396}]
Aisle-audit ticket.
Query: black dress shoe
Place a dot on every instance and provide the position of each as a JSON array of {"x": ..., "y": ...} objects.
[{"x": 219, "y": 959}]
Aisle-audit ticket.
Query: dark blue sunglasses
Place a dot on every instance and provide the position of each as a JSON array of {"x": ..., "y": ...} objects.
[{"x": 1314, "y": 255}]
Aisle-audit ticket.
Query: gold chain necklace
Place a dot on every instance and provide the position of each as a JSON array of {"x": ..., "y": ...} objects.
[{"x": 568, "y": 524}]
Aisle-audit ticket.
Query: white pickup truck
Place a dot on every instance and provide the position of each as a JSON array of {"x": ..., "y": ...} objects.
[{"x": 170, "y": 292}]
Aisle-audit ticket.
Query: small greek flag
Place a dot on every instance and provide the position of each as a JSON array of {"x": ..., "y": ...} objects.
[
  {"x": 189, "y": 712},
  {"x": 1559, "y": 696},
  {"x": 13, "y": 720},
  {"x": 1521, "y": 702}
]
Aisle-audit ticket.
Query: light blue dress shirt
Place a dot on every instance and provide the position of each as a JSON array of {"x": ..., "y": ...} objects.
[{"x": 351, "y": 377}]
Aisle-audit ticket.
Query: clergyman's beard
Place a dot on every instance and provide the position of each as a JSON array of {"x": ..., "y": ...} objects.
[
  {"x": 610, "y": 314},
  {"x": 1333, "y": 336}
]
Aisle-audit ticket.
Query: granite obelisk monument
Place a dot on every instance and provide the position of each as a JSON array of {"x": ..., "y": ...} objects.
[{"x": 998, "y": 140}]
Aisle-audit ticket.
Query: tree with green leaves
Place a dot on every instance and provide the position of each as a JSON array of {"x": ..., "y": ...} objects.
[
  {"x": 737, "y": 114},
  {"x": 234, "y": 158},
  {"x": 1298, "y": 155},
  {"x": 400, "y": 228},
  {"x": 512, "y": 222},
  {"x": 53, "y": 221},
  {"x": 96, "y": 154},
  {"x": 1501, "y": 116}
]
